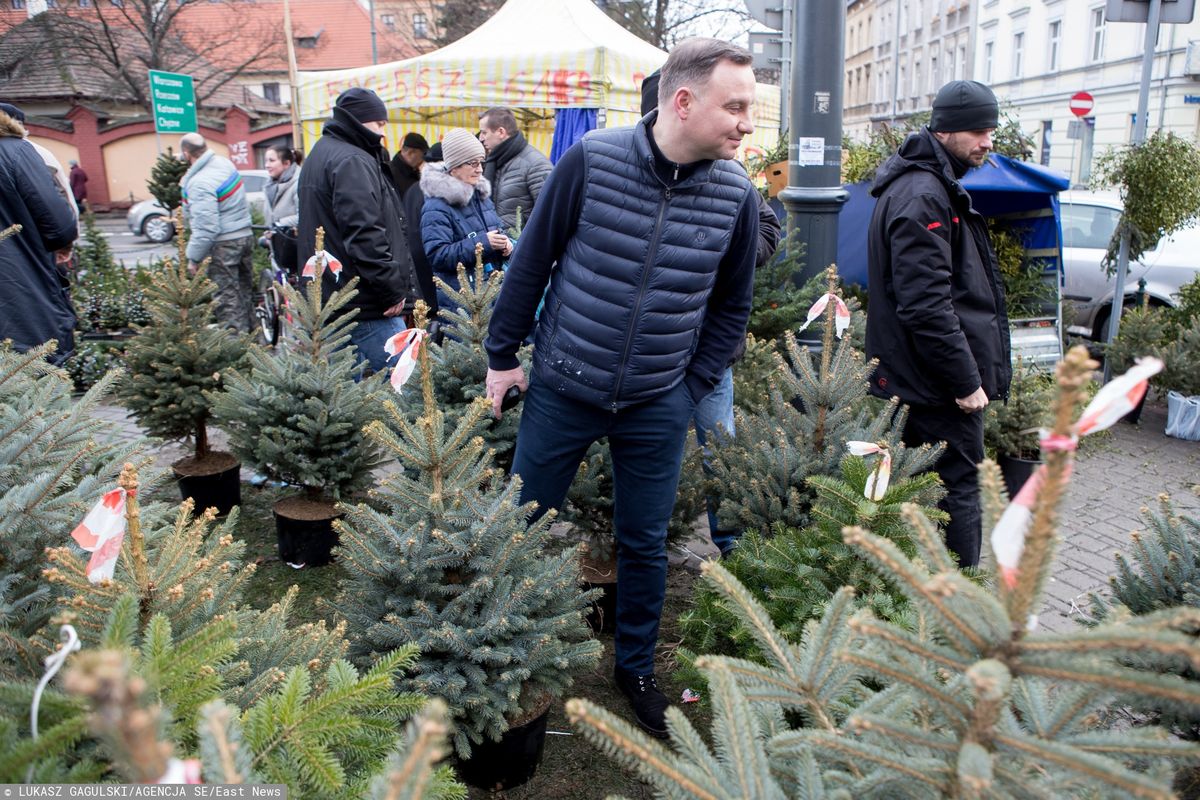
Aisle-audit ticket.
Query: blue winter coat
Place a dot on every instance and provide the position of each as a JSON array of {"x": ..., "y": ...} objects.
[{"x": 454, "y": 219}]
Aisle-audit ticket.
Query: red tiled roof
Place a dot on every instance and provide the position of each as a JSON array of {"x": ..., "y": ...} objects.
[
  {"x": 33, "y": 68},
  {"x": 341, "y": 27}
]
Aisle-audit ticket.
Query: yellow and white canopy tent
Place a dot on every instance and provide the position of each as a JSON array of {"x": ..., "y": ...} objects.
[{"x": 533, "y": 56}]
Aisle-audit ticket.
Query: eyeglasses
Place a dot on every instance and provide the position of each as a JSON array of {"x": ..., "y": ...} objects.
[{"x": 476, "y": 164}]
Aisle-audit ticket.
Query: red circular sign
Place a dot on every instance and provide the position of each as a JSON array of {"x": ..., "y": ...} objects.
[{"x": 1082, "y": 104}]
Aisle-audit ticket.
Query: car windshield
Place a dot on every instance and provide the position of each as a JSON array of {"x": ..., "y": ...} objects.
[
  {"x": 1088, "y": 226},
  {"x": 253, "y": 183}
]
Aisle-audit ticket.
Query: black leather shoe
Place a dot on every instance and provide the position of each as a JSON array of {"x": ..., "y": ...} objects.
[{"x": 648, "y": 703}]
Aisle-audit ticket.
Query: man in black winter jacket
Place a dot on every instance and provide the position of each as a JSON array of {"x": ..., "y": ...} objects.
[
  {"x": 346, "y": 187},
  {"x": 937, "y": 320},
  {"x": 647, "y": 237}
]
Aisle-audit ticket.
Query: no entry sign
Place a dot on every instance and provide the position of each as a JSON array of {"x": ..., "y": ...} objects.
[{"x": 1082, "y": 104}]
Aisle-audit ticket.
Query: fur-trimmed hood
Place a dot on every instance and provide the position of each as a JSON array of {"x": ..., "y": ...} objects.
[
  {"x": 436, "y": 181},
  {"x": 11, "y": 128}
]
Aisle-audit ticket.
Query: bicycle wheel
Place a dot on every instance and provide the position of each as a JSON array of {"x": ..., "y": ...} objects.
[{"x": 267, "y": 312}]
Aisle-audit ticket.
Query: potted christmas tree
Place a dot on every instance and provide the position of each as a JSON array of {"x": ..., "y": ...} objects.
[
  {"x": 298, "y": 415},
  {"x": 173, "y": 363},
  {"x": 1011, "y": 428},
  {"x": 452, "y": 565}
]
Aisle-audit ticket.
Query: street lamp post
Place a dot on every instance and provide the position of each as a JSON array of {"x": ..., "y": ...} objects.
[{"x": 814, "y": 195}]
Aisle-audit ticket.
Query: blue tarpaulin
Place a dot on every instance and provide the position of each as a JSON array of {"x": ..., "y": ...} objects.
[
  {"x": 1002, "y": 187},
  {"x": 570, "y": 124}
]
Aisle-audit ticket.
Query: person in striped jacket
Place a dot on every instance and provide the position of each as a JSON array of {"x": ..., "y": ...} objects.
[{"x": 215, "y": 205}]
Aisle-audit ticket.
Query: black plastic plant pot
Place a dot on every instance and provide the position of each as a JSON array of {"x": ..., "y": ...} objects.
[
  {"x": 510, "y": 762},
  {"x": 220, "y": 489},
  {"x": 1015, "y": 471},
  {"x": 304, "y": 530},
  {"x": 602, "y": 616}
]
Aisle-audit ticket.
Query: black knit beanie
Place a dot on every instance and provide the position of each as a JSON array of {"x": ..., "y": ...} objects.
[
  {"x": 964, "y": 106},
  {"x": 650, "y": 92},
  {"x": 362, "y": 104}
]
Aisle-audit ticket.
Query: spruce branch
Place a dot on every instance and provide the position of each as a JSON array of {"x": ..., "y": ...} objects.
[{"x": 1072, "y": 373}]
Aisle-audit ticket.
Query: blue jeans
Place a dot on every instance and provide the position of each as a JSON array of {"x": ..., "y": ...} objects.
[
  {"x": 646, "y": 441},
  {"x": 716, "y": 410},
  {"x": 370, "y": 335}
]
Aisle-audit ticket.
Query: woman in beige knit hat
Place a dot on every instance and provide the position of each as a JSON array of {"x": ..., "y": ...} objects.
[{"x": 458, "y": 212}]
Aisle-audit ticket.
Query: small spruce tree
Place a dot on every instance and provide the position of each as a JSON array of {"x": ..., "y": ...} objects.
[
  {"x": 451, "y": 565},
  {"x": 811, "y": 410},
  {"x": 462, "y": 362},
  {"x": 329, "y": 738},
  {"x": 165, "y": 176},
  {"x": 178, "y": 360},
  {"x": 973, "y": 702},
  {"x": 57, "y": 457},
  {"x": 298, "y": 415}
]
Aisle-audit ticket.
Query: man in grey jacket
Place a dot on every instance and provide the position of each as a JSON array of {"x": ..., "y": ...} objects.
[
  {"x": 214, "y": 203},
  {"x": 514, "y": 167}
]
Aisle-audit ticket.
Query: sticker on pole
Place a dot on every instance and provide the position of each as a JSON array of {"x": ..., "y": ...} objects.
[
  {"x": 810, "y": 151},
  {"x": 1082, "y": 104}
]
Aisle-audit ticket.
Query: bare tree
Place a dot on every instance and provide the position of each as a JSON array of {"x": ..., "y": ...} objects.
[
  {"x": 664, "y": 22},
  {"x": 457, "y": 18},
  {"x": 125, "y": 38}
]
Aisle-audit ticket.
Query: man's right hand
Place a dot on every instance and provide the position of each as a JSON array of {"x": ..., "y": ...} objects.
[
  {"x": 498, "y": 382},
  {"x": 976, "y": 401},
  {"x": 395, "y": 310}
]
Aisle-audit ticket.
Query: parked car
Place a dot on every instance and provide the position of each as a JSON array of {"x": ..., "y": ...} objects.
[
  {"x": 151, "y": 220},
  {"x": 1088, "y": 222}
]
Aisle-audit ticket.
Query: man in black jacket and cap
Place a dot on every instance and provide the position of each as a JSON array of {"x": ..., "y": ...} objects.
[
  {"x": 406, "y": 164},
  {"x": 346, "y": 188},
  {"x": 938, "y": 322}
]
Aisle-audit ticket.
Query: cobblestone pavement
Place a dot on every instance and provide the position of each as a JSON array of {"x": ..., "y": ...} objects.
[{"x": 1114, "y": 479}]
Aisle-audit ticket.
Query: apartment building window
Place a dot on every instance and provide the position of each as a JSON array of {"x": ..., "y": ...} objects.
[
  {"x": 1096, "y": 43},
  {"x": 271, "y": 92},
  {"x": 388, "y": 20},
  {"x": 988, "y": 48},
  {"x": 949, "y": 65},
  {"x": 1055, "y": 42},
  {"x": 1018, "y": 54},
  {"x": 420, "y": 25},
  {"x": 916, "y": 84},
  {"x": 18, "y": 5},
  {"x": 935, "y": 50},
  {"x": 961, "y": 68}
]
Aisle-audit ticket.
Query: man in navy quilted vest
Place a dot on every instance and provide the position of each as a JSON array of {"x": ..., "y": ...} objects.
[{"x": 647, "y": 238}]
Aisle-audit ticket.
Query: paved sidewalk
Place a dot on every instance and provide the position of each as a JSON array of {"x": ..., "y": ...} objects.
[{"x": 1113, "y": 480}]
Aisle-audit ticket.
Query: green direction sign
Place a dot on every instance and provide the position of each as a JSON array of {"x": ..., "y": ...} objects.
[{"x": 174, "y": 99}]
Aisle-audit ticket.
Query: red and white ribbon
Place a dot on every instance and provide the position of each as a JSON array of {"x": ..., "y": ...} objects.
[
  {"x": 877, "y": 482},
  {"x": 841, "y": 314},
  {"x": 407, "y": 345},
  {"x": 1119, "y": 397},
  {"x": 101, "y": 534},
  {"x": 331, "y": 264}
]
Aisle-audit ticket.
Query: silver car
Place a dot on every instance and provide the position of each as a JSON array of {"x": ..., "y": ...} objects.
[
  {"x": 1088, "y": 222},
  {"x": 151, "y": 220}
]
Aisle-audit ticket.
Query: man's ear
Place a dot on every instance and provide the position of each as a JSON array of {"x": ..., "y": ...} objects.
[{"x": 682, "y": 102}]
